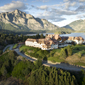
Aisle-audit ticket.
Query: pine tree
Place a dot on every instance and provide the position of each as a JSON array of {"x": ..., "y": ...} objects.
[
  {"x": 56, "y": 79},
  {"x": 43, "y": 79},
  {"x": 32, "y": 80},
  {"x": 63, "y": 53},
  {"x": 3, "y": 70},
  {"x": 72, "y": 83},
  {"x": 51, "y": 79},
  {"x": 69, "y": 50}
]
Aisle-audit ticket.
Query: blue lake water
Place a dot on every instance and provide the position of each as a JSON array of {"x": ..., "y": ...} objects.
[
  {"x": 72, "y": 34},
  {"x": 39, "y": 33}
]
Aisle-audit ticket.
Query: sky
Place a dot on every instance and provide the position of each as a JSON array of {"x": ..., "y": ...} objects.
[{"x": 58, "y": 12}]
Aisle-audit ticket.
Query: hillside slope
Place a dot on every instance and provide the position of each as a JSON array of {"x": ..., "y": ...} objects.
[{"x": 78, "y": 25}]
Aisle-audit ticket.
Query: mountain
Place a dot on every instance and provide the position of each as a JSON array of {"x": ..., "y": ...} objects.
[
  {"x": 64, "y": 31},
  {"x": 20, "y": 21},
  {"x": 78, "y": 25}
]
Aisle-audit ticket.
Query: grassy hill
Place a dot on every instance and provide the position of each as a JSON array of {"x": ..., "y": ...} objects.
[
  {"x": 77, "y": 57},
  {"x": 64, "y": 31},
  {"x": 78, "y": 25}
]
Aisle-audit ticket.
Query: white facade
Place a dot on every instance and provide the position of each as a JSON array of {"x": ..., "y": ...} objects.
[
  {"x": 68, "y": 41},
  {"x": 35, "y": 44},
  {"x": 48, "y": 43},
  {"x": 54, "y": 46},
  {"x": 76, "y": 41}
]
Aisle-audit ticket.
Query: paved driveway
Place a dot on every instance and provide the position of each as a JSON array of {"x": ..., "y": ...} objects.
[
  {"x": 61, "y": 65},
  {"x": 10, "y": 47}
]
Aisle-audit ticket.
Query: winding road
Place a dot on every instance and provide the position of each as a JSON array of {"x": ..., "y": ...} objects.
[
  {"x": 10, "y": 47},
  {"x": 61, "y": 65}
]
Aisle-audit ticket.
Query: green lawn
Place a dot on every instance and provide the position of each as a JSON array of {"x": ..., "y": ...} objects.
[
  {"x": 55, "y": 54},
  {"x": 80, "y": 64},
  {"x": 15, "y": 46},
  {"x": 78, "y": 48},
  {"x": 38, "y": 53},
  {"x": 55, "y": 59}
]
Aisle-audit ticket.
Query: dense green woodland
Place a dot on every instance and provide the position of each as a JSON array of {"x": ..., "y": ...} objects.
[
  {"x": 35, "y": 74},
  {"x": 11, "y": 38},
  {"x": 6, "y": 39}
]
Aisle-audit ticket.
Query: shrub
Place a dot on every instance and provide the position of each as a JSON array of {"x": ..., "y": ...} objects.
[
  {"x": 38, "y": 63},
  {"x": 63, "y": 53},
  {"x": 69, "y": 50}
]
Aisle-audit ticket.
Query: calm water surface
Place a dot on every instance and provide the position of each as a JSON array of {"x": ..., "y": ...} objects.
[{"x": 72, "y": 34}]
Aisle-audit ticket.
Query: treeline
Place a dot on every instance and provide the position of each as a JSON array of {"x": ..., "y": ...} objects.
[
  {"x": 37, "y": 36},
  {"x": 11, "y": 38},
  {"x": 51, "y": 76},
  {"x": 35, "y": 74},
  {"x": 6, "y": 39}
]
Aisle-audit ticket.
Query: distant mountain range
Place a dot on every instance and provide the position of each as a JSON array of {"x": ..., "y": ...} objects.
[
  {"x": 20, "y": 21},
  {"x": 78, "y": 25}
]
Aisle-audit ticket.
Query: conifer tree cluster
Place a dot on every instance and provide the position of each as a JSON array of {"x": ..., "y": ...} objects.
[{"x": 51, "y": 76}]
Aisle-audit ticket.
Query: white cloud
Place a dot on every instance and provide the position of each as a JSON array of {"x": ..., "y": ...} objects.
[
  {"x": 82, "y": 0},
  {"x": 45, "y": 7},
  {"x": 73, "y": 4},
  {"x": 81, "y": 8},
  {"x": 12, "y": 6},
  {"x": 61, "y": 12},
  {"x": 55, "y": 14},
  {"x": 80, "y": 16},
  {"x": 42, "y": 0}
]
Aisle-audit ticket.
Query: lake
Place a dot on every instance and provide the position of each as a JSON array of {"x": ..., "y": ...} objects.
[
  {"x": 72, "y": 34},
  {"x": 39, "y": 34}
]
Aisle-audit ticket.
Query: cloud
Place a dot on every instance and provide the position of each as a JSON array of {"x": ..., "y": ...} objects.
[
  {"x": 81, "y": 8},
  {"x": 71, "y": 0},
  {"x": 80, "y": 16},
  {"x": 55, "y": 15},
  {"x": 81, "y": 0},
  {"x": 45, "y": 7},
  {"x": 74, "y": 0},
  {"x": 50, "y": 17},
  {"x": 55, "y": 12},
  {"x": 12, "y": 6},
  {"x": 42, "y": 0},
  {"x": 61, "y": 12}
]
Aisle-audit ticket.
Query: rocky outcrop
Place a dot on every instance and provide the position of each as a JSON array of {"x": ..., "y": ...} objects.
[
  {"x": 17, "y": 17},
  {"x": 47, "y": 25}
]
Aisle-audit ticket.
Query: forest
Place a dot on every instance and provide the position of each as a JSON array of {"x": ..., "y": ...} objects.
[
  {"x": 34, "y": 73},
  {"x": 6, "y": 39},
  {"x": 21, "y": 71}
]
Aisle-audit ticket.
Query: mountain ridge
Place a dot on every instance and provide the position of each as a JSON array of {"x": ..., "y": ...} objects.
[
  {"x": 19, "y": 20},
  {"x": 78, "y": 25}
]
